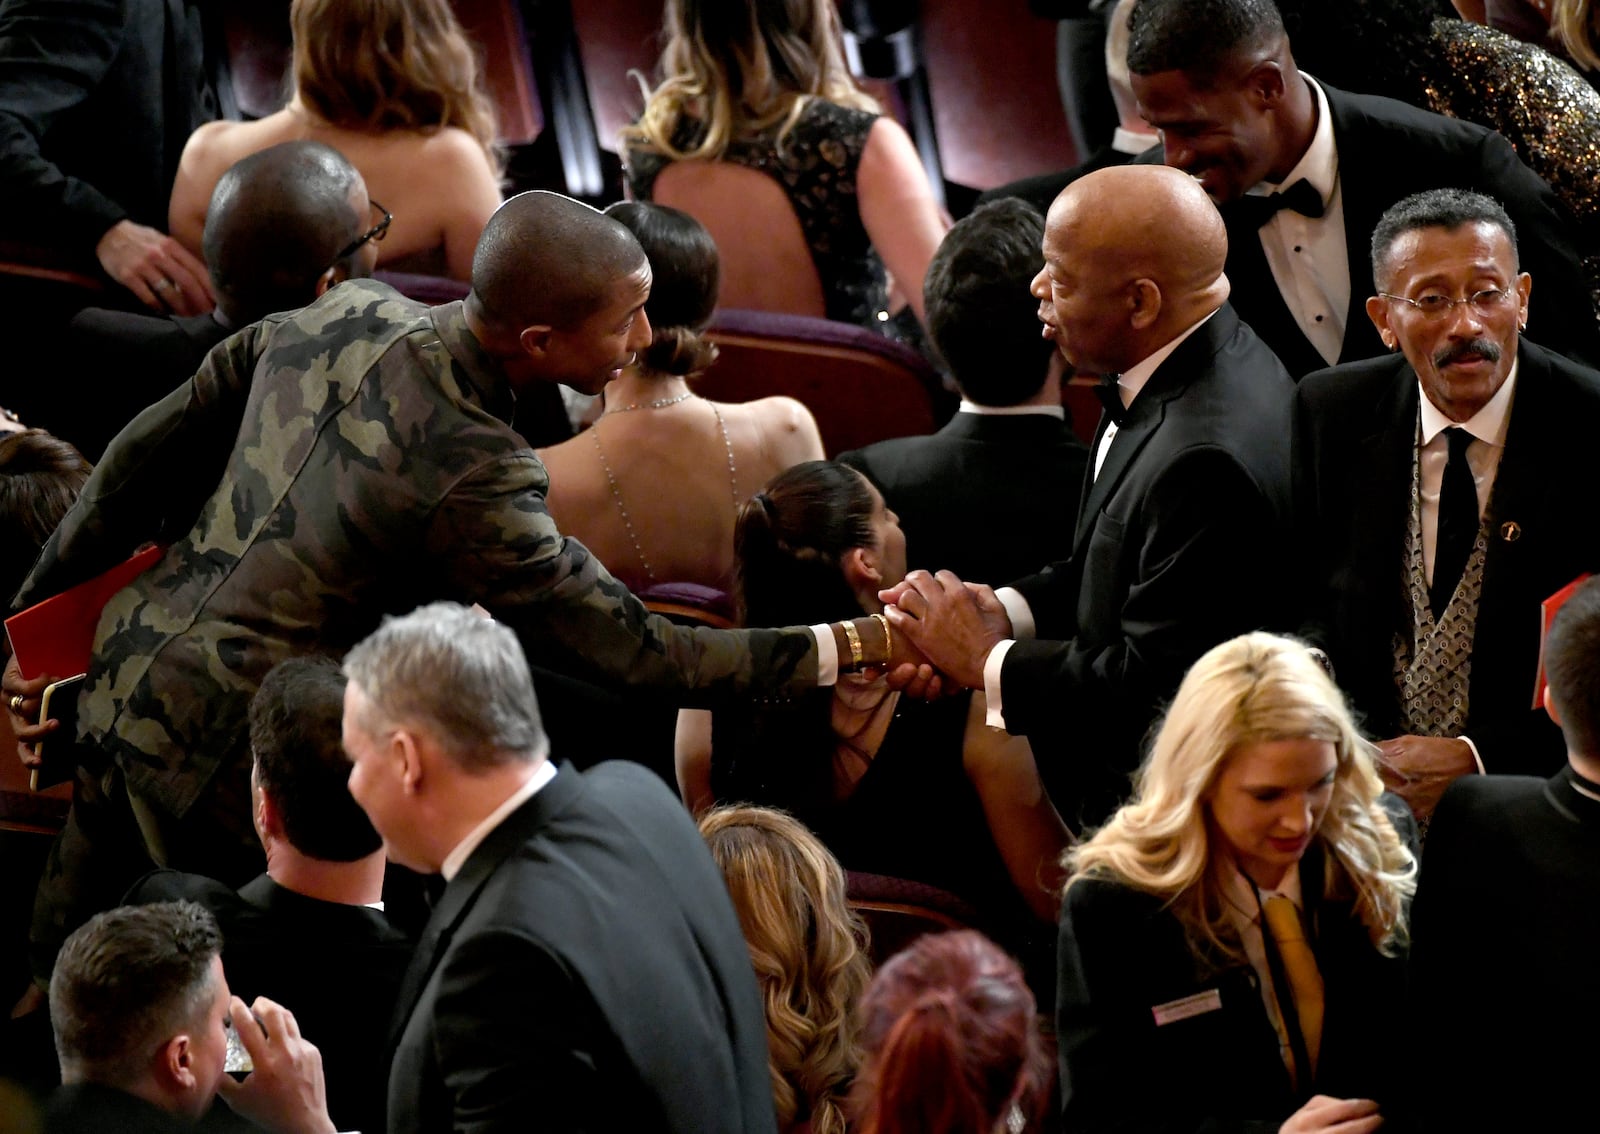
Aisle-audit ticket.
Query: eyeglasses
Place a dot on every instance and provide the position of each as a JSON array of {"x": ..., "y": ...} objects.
[
  {"x": 1434, "y": 306},
  {"x": 375, "y": 234}
]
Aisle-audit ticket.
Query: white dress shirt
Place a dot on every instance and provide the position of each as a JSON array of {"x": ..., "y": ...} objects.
[
  {"x": 457, "y": 858},
  {"x": 1488, "y": 429},
  {"x": 1129, "y": 384},
  {"x": 1308, "y": 256},
  {"x": 1056, "y": 411}
]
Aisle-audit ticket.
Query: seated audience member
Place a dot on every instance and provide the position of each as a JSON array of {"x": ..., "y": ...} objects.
[
  {"x": 1180, "y": 534},
  {"x": 1507, "y": 920},
  {"x": 583, "y": 964},
  {"x": 1131, "y": 138},
  {"x": 1236, "y": 932},
  {"x": 1008, "y": 464},
  {"x": 806, "y": 946},
  {"x": 142, "y": 1013},
  {"x": 952, "y": 1043},
  {"x": 96, "y": 100},
  {"x": 893, "y": 785},
  {"x": 766, "y": 86},
  {"x": 394, "y": 86},
  {"x": 1302, "y": 171},
  {"x": 310, "y": 932},
  {"x": 284, "y": 226},
  {"x": 40, "y": 478},
  {"x": 653, "y": 487},
  {"x": 1434, "y": 496}
]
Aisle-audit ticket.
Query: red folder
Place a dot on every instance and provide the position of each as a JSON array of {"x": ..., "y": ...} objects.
[
  {"x": 1547, "y": 615},
  {"x": 56, "y": 636}
]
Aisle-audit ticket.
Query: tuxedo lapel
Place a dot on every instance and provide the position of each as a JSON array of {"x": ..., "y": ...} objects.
[
  {"x": 1145, "y": 415},
  {"x": 1520, "y": 483},
  {"x": 462, "y": 890},
  {"x": 1362, "y": 202}
]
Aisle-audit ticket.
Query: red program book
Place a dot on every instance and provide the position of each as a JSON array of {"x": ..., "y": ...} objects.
[
  {"x": 56, "y": 636},
  {"x": 1547, "y": 615}
]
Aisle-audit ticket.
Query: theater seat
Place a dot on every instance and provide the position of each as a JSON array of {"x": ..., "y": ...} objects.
[
  {"x": 766, "y": 263},
  {"x": 898, "y": 911},
  {"x": 860, "y": 386},
  {"x": 690, "y": 604}
]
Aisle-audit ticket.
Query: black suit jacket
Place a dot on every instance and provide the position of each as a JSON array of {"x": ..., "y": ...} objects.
[
  {"x": 1355, "y": 434},
  {"x": 97, "y": 98},
  {"x": 584, "y": 971},
  {"x": 1178, "y": 547},
  {"x": 989, "y": 497},
  {"x": 89, "y": 1108},
  {"x": 1122, "y": 955},
  {"x": 337, "y": 967},
  {"x": 1388, "y": 150},
  {"x": 1506, "y": 931},
  {"x": 124, "y": 362}
]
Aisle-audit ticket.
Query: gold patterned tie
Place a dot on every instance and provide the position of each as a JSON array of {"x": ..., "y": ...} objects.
[{"x": 1300, "y": 966}]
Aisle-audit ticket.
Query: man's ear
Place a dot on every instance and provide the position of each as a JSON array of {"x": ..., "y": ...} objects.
[
  {"x": 1378, "y": 311},
  {"x": 1264, "y": 82},
  {"x": 535, "y": 340},
  {"x": 175, "y": 1062},
  {"x": 861, "y": 568},
  {"x": 1144, "y": 303},
  {"x": 268, "y": 821},
  {"x": 406, "y": 750},
  {"x": 332, "y": 277}
]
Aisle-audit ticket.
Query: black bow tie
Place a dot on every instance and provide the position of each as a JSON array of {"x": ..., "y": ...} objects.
[
  {"x": 1300, "y": 197},
  {"x": 1110, "y": 395}
]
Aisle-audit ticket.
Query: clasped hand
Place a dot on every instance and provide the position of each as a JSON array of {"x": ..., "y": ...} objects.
[{"x": 952, "y": 624}]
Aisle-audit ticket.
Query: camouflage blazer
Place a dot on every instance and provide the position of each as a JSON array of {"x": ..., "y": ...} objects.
[{"x": 324, "y": 468}]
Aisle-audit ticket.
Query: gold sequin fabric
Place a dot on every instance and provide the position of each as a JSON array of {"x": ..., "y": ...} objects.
[{"x": 1544, "y": 108}]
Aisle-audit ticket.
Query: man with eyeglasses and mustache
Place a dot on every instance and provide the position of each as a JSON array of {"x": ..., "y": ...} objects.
[{"x": 1435, "y": 494}]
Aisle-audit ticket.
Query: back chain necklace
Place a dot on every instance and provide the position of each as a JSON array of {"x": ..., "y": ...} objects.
[{"x": 611, "y": 478}]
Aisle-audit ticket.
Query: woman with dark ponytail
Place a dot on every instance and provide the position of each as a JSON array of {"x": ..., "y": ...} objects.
[
  {"x": 653, "y": 486},
  {"x": 952, "y": 1043},
  {"x": 892, "y": 785}
]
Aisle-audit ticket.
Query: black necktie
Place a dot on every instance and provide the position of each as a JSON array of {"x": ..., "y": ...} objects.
[
  {"x": 1110, "y": 395},
  {"x": 1301, "y": 197},
  {"x": 1458, "y": 521}
]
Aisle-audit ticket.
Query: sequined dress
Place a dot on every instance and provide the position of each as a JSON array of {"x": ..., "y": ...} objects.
[
  {"x": 816, "y": 164},
  {"x": 1545, "y": 109}
]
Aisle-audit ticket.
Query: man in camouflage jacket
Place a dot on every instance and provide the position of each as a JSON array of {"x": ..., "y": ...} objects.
[{"x": 327, "y": 467}]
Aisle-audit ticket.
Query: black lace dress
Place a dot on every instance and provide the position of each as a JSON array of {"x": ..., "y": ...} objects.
[{"x": 816, "y": 164}]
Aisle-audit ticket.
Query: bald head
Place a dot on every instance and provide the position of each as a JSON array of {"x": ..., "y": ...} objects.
[
  {"x": 545, "y": 259},
  {"x": 1133, "y": 256},
  {"x": 277, "y": 221}
]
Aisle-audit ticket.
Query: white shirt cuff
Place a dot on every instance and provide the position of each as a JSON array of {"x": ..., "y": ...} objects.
[
  {"x": 827, "y": 655},
  {"x": 995, "y": 717},
  {"x": 1020, "y": 613},
  {"x": 1476, "y": 759}
]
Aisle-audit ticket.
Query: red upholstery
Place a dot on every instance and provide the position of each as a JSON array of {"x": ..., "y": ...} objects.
[
  {"x": 860, "y": 386},
  {"x": 898, "y": 911}
]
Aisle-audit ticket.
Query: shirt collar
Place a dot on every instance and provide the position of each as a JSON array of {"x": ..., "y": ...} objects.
[
  {"x": 1488, "y": 424},
  {"x": 1126, "y": 141},
  {"x": 1133, "y": 379},
  {"x": 1241, "y": 893},
  {"x": 1319, "y": 165},
  {"x": 1012, "y": 411},
  {"x": 537, "y": 779}
]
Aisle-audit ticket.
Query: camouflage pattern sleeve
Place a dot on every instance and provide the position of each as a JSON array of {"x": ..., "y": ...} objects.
[
  {"x": 502, "y": 548},
  {"x": 155, "y": 475}
]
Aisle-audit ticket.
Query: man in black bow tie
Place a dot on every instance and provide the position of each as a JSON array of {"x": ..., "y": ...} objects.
[
  {"x": 1302, "y": 171},
  {"x": 1181, "y": 528}
]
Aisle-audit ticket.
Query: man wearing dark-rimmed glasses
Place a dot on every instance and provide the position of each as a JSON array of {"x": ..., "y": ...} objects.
[
  {"x": 274, "y": 224},
  {"x": 1435, "y": 497}
]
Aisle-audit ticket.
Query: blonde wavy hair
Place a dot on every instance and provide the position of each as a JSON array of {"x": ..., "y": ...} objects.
[
  {"x": 390, "y": 65},
  {"x": 1256, "y": 688},
  {"x": 1572, "y": 22},
  {"x": 808, "y": 951},
  {"x": 740, "y": 67}
]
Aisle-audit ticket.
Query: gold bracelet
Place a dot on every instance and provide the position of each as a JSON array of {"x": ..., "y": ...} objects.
[
  {"x": 853, "y": 636},
  {"x": 888, "y": 638}
]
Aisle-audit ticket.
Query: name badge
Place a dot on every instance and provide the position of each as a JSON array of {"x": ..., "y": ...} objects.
[{"x": 1197, "y": 1005}]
